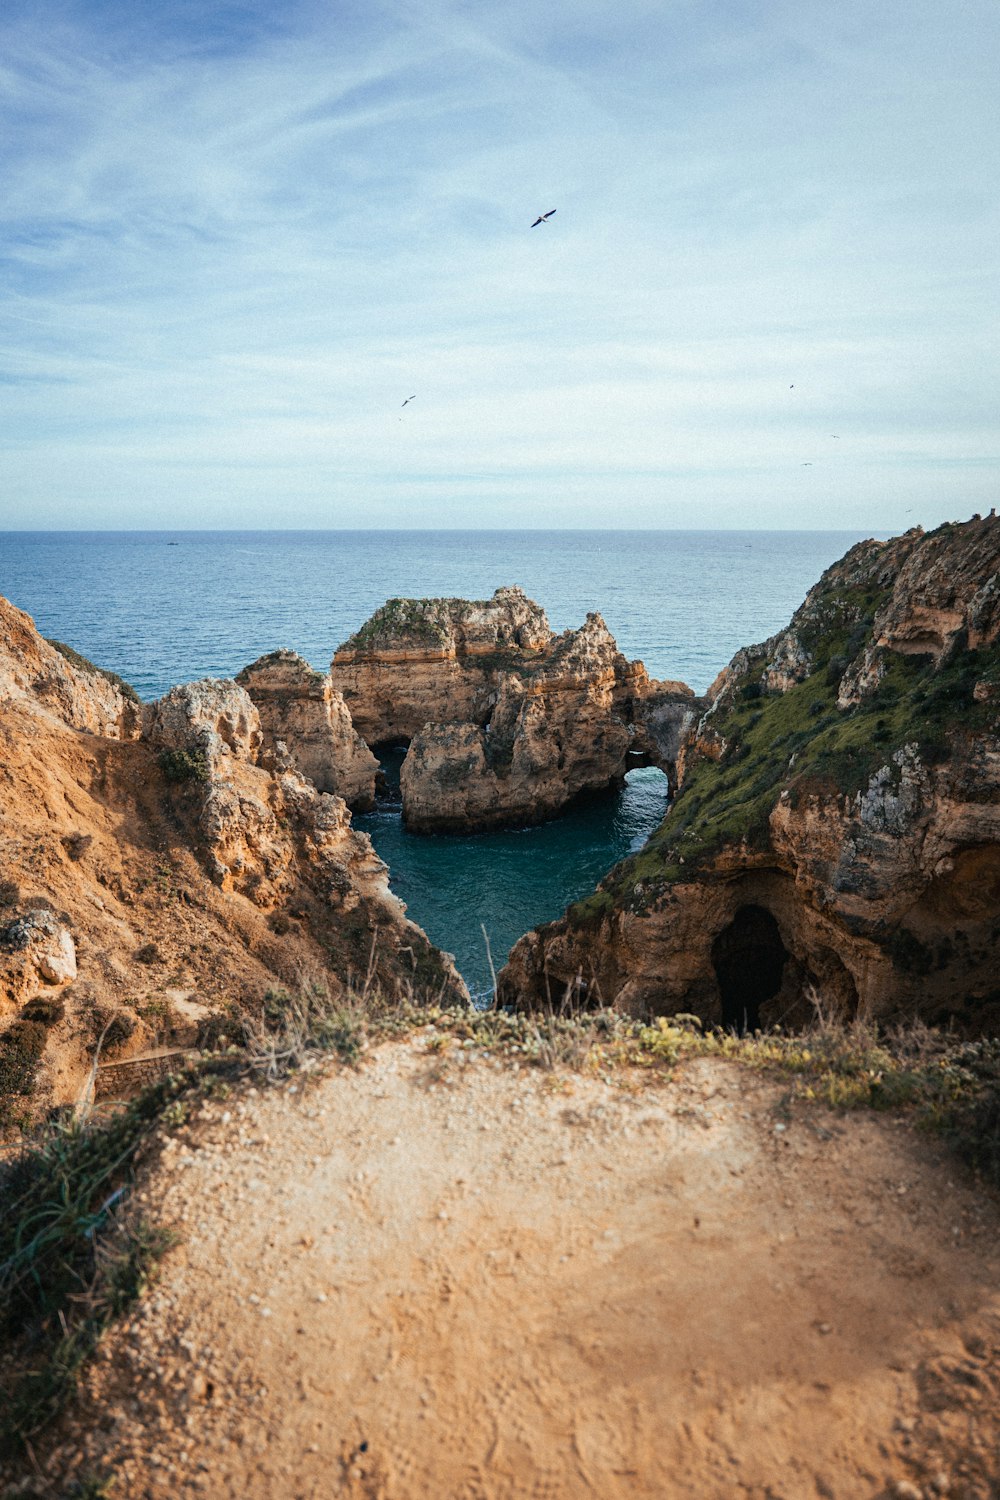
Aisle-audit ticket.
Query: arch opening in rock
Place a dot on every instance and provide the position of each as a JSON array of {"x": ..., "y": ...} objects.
[
  {"x": 749, "y": 959},
  {"x": 390, "y": 755}
]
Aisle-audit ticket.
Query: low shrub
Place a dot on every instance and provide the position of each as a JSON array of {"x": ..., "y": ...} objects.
[
  {"x": 111, "y": 1028},
  {"x": 21, "y": 1048},
  {"x": 47, "y": 1010},
  {"x": 10, "y": 893},
  {"x": 184, "y": 765},
  {"x": 149, "y": 953},
  {"x": 77, "y": 844}
]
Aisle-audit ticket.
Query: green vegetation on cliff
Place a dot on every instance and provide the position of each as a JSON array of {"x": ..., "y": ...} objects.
[
  {"x": 799, "y": 743},
  {"x": 437, "y": 622},
  {"x": 425, "y": 620},
  {"x": 83, "y": 665}
]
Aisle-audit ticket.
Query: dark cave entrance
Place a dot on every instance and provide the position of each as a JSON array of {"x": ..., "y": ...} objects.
[
  {"x": 749, "y": 960},
  {"x": 390, "y": 755}
]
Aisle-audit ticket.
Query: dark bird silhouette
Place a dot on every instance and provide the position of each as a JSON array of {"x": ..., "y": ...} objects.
[
  {"x": 408, "y": 400},
  {"x": 542, "y": 217},
  {"x": 807, "y": 466}
]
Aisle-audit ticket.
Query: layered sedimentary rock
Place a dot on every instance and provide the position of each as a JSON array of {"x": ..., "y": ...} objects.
[
  {"x": 553, "y": 732},
  {"x": 151, "y": 885},
  {"x": 422, "y": 660},
  {"x": 836, "y": 839},
  {"x": 507, "y": 722},
  {"x": 304, "y": 718}
]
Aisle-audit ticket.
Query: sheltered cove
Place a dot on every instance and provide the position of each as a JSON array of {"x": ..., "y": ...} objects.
[
  {"x": 466, "y": 1275},
  {"x": 835, "y": 836}
]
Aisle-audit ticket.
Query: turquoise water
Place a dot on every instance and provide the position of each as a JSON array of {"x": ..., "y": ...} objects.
[
  {"x": 510, "y": 881},
  {"x": 167, "y": 607}
]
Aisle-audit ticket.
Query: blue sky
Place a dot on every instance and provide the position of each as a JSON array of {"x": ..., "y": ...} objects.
[{"x": 237, "y": 236}]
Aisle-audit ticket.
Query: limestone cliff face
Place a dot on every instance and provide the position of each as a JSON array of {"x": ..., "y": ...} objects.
[
  {"x": 267, "y": 833},
  {"x": 556, "y": 728},
  {"x": 422, "y": 660},
  {"x": 303, "y": 717},
  {"x": 150, "y": 887},
  {"x": 55, "y": 678},
  {"x": 507, "y": 722},
  {"x": 836, "y": 838}
]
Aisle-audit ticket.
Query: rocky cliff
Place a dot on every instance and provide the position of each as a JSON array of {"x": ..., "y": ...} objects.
[
  {"x": 507, "y": 722},
  {"x": 157, "y": 882},
  {"x": 836, "y": 838},
  {"x": 57, "y": 680},
  {"x": 422, "y": 660},
  {"x": 304, "y": 718}
]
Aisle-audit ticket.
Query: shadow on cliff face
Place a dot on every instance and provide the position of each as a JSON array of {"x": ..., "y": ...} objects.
[
  {"x": 749, "y": 961},
  {"x": 390, "y": 755}
]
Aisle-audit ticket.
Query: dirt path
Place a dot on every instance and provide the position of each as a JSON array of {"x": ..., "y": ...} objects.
[{"x": 440, "y": 1277}]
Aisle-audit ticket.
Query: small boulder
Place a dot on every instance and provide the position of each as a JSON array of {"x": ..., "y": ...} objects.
[{"x": 45, "y": 942}]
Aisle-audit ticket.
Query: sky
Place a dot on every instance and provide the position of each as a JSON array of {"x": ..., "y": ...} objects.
[{"x": 237, "y": 236}]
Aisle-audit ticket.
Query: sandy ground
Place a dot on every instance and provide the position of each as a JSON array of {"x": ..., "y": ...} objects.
[{"x": 440, "y": 1276}]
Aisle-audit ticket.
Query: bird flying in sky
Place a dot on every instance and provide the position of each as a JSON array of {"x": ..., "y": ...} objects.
[
  {"x": 542, "y": 217},
  {"x": 408, "y": 400}
]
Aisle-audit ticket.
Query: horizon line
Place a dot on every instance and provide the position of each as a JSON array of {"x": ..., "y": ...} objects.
[{"x": 430, "y": 530}]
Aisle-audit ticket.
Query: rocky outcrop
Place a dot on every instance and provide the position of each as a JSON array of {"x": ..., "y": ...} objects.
[
  {"x": 266, "y": 833},
  {"x": 554, "y": 731},
  {"x": 184, "y": 873},
  {"x": 507, "y": 722},
  {"x": 36, "y": 949},
  {"x": 215, "y": 716},
  {"x": 664, "y": 717},
  {"x": 305, "y": 721},
  {"x": 418, "y": 661},
  {"x": 57, "y": 679},
  {"x": 836, "y": 839}
]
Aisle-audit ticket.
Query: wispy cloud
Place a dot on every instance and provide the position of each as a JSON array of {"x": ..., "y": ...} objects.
[{"x": 233, "y": 244}]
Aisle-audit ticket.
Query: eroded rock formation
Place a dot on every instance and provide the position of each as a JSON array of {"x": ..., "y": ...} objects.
[
  {"x": 214, "y": 716},
  {"x": 304, "y": 718},
  {"x": 38, "y": 951},
  {"x": 153, "y": 886},
  {"x": 53, "y": 677},
  {"x": 507, "y": 722},
  {"x": 418, "y": 661},
  {"x": 836, "y": 839}
]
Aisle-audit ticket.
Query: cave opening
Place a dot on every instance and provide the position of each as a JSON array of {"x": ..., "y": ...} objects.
[
  {"x": 390, "y": 755},
  {"x": 749, "y": 961}
]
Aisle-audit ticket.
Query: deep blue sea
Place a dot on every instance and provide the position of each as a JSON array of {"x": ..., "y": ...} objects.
[{"x": 167, "y": 607}]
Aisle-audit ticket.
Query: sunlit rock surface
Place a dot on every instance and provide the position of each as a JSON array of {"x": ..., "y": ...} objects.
[{"x": 836, "y": 840}]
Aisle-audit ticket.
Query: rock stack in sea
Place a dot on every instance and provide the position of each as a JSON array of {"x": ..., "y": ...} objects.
[{"x": 506, "y": 721}]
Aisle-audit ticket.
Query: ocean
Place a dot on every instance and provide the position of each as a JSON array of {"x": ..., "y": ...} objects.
[{"x": 167, "y": 607}]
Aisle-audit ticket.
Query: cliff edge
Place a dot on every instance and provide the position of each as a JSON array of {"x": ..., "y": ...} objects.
[
  {"x": 162, "y": 874},
  {"x": 836, "y": 837}
]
